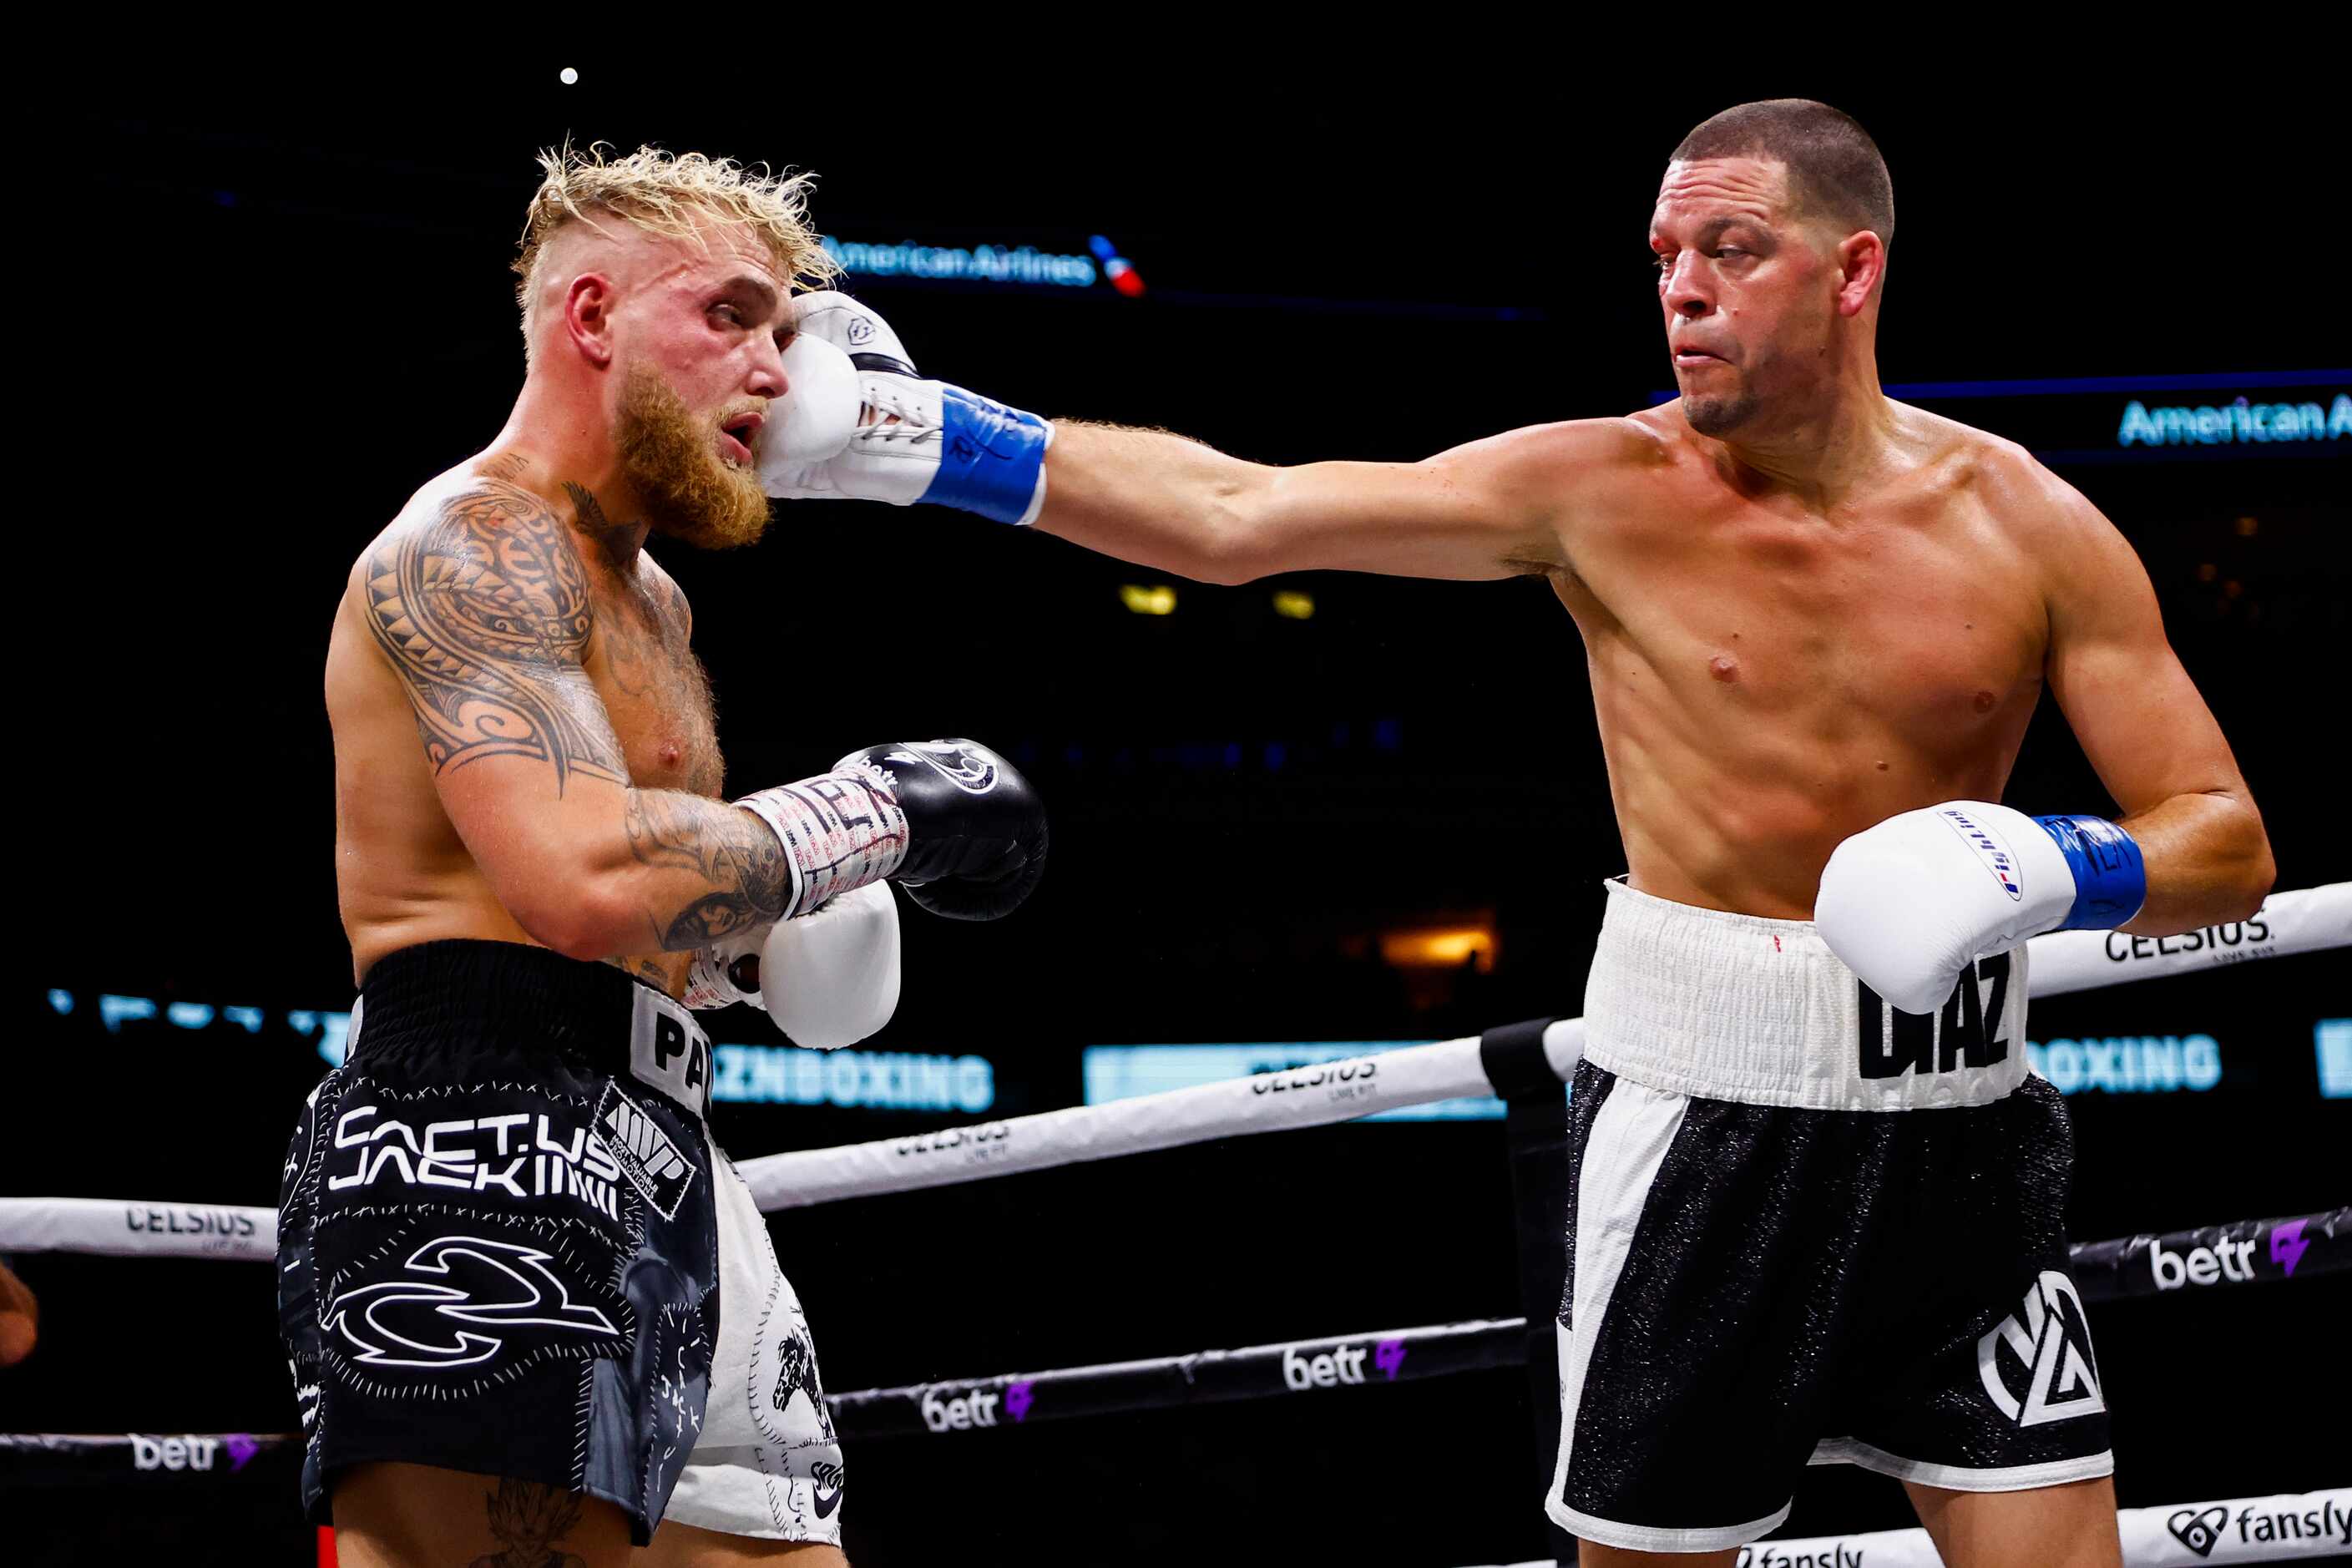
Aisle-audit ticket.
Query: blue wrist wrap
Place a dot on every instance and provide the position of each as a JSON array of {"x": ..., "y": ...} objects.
[
  {"x": 2110, "y": 883},
  {"x": 990, "y": 457}
]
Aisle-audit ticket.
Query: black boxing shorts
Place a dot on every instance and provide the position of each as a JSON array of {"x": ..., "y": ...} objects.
[
  {"x": 1806, "y": 1228},
  {"x": 496, "y": 1242}
]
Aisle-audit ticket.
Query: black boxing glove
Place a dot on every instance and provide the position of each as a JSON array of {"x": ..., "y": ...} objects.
[
  {"x": 975, "y": 830},
  {"x": 949, "y": 820}
]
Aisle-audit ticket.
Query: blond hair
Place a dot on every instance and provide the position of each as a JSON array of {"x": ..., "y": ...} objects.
[{"x": 668, "y": 195}]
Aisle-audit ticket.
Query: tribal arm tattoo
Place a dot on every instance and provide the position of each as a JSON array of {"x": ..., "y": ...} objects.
[
  {"x": 730, "y": 852},
  {"x": 484, "y": 612}
]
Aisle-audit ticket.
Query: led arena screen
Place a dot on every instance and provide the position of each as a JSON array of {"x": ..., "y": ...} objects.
[{"x": 2078, "y": 421}]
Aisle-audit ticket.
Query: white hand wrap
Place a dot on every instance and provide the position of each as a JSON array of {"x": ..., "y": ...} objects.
[
  {"x": 710, "y": 981},
  {"x": 1910, "y": 902},
  {"x": 839, "y": 830}
]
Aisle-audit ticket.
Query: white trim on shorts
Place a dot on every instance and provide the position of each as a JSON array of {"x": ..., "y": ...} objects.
[
  {"x": 1721, "y": 1005},
  {"x": 1622, "y": 1152},
  {"x": 1651, "y": 1538},
  {"x": 1960, "y": 1478}
]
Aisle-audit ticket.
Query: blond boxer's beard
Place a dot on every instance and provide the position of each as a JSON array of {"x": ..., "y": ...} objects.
[{"x": 671, "y": 458}]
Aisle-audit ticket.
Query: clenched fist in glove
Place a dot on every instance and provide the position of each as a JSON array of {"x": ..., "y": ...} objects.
[
  {"x": 857, "y": 423},
  {"x": 1907, "y": 905}
]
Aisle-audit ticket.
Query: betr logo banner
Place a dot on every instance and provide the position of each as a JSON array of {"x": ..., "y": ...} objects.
[{"x": 2230, "y": 1260}]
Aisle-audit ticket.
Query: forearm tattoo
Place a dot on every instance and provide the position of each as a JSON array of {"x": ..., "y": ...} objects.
[
  {"x": 733, "y": 851},
  {"x": 485, "y": 614}
]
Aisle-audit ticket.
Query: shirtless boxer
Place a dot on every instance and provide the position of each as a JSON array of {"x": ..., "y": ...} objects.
[
  {"x": 1816, "y": 1218},
  {"x": 530, "y": 1308}
]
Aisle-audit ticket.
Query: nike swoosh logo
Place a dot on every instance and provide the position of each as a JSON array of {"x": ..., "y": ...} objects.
[{"x": 828, "y": 1501}]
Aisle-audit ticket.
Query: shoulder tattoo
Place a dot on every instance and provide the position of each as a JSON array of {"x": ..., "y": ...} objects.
[{"x": 485, "y": 614}]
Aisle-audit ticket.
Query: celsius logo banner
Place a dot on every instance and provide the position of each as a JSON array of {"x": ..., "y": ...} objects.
[{"x": 1124, "y": 1072}]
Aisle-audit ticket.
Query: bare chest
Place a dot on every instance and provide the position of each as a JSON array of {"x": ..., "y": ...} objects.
[
  {"x": 654, "y": 690},
  {"x": 1921, "y": 620}
]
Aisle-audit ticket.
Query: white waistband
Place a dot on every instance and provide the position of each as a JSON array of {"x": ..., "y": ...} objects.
[{"x": 1729, "y": 1006}]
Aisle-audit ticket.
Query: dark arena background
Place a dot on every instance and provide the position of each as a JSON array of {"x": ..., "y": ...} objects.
[{"x": 1300, "y": 820}]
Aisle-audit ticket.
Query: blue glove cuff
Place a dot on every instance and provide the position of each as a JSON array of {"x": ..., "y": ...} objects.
[
  {"x": 2110, "y": 883},
  {"x": 991, "y": 457}
]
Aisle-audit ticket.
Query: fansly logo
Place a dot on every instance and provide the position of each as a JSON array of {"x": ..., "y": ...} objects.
[
  {"x": 1820, "y": 1554},
  {"x": 2040, "y": 1370},
  {"x": 2201, "y": 1530}
]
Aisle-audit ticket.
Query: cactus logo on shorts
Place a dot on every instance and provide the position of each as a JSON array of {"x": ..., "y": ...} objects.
[
  {"x": 436, "y": 1311},
  {"x": 2040, "y": 1370}
]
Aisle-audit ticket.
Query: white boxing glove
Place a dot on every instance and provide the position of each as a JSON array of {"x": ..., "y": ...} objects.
[
  {"x": 1911, "y": 903},
  {"x": 829, "y": 978},
  {"x": 909, "y": 439},
  {"x": 817, "y": 414}
]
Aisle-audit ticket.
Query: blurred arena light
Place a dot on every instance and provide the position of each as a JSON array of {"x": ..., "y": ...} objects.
[{"x": 1440, "y": 947}]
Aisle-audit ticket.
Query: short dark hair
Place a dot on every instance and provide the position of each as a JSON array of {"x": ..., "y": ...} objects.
[{"x": 1834, "y": 168}]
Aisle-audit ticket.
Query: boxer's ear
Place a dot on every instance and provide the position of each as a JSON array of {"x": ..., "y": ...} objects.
[
  {"x": 1862, "y": 264},
  {"x": 588, "y": 317}
]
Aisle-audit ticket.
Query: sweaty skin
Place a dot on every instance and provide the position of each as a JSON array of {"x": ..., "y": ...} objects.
[
  {"x": 508, "y": 619},
  {"x": 404, "y": 874},
  {"x": 1805, "y": 607},
  {"x": 524, "y": 745},
  {"x": 1770, "y": 681}
]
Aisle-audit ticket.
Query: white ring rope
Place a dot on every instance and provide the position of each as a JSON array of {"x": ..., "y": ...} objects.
[
  {"x": 2305, "y": 921},
  {"x": 2279, "y": 1529},
  {"x": 2301, "y": 921},
  {"x": 2285, "y": 1526}
]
